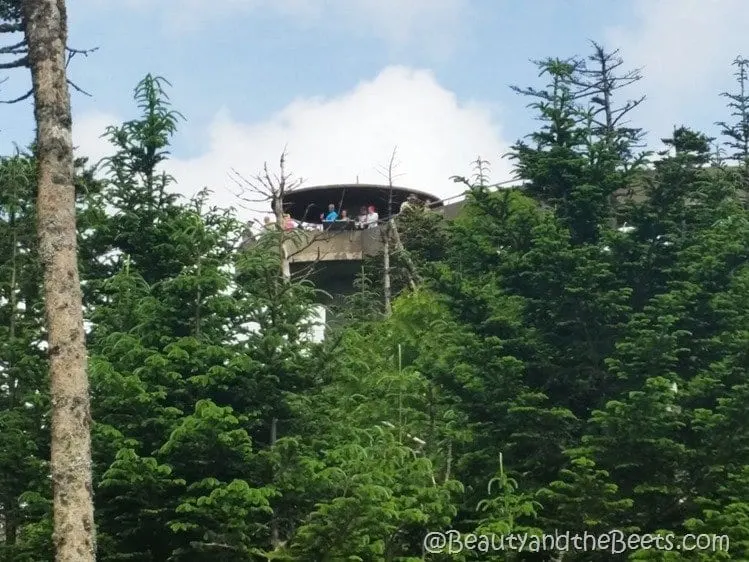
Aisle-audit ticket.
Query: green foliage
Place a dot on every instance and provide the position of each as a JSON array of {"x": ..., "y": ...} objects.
[
  {"x": 737, "y": 132},
  {"x": 504, "y": 513},
  {"x": 380, "y": 500},
  {"x": 25, "y": 490},
  {"x": 594, "y": 376}
]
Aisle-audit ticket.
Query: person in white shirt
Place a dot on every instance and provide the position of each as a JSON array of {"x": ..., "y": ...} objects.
[{"x": 372, "y": 217}]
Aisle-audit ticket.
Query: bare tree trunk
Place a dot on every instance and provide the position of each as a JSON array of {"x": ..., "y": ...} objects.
[
  {"x": 45, "y": 26},
  {"x": 387, "y": 234},
  {"x": 275, "y": 538},
  {"x": 449, "y": 461},
  {"x": 386, "y": 288},
  {"x": 413, "y": 273},
  {"x": 282, "y": 238},
  {"x": 198, "y": 299}
]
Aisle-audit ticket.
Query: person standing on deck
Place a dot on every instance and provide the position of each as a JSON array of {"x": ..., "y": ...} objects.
[
  {"x": 372, "y": 217},
  {"x": 331, "y": 214}
]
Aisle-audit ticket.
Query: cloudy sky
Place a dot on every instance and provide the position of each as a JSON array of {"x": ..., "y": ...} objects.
[{"x": 342, "y": 82}]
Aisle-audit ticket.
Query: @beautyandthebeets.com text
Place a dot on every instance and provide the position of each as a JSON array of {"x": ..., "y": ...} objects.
[{"x": 614, "y": 542}]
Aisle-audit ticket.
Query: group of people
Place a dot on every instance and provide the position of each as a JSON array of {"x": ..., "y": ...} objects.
[{"x": 368, "y": 217}]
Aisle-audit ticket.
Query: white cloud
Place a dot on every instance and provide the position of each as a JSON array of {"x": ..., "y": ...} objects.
[
  {"x": 87, "y": 133},
  {"x": 686, "y": 48},
  {"x": 339, "y": 139}
]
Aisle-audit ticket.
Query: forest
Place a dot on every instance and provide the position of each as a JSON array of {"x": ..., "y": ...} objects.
[{"x": 567, "y": 355}]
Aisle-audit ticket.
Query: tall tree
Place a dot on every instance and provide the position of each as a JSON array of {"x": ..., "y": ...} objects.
[
  {"x": 600, "y": 79},
  {"x": 267, "y": 187},
  {"x": 554, "y": 162},
  {"x": 45, "y": 29},
  {"x": 737, "y": 133}
]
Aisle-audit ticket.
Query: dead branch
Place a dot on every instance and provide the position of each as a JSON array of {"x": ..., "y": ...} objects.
[
  {"x": 21, "y": 50},
  {"x": 73, "y": 52},
  {"x": 25, "y": 96},
  {"x": 391, "y": 232},
  {"x": 11, "y": 27},
  {"x": 17, "y": 49},
  {"x": 271, "y": 188},
  {"x": 386, "y": 234},
  {"x": 18, "y": 63},
  {"x": 214, "y": 545},
  {"x": 78, "y": 88}
]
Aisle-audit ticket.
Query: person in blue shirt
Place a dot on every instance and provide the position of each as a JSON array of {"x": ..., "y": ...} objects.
[{"x": 331, "y": 215}]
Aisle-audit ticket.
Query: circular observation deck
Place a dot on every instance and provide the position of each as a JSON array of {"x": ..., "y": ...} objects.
[{"x": 308, "y": 203}]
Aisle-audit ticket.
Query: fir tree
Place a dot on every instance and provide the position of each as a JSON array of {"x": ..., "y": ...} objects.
[{"x": 737, "y": 132}]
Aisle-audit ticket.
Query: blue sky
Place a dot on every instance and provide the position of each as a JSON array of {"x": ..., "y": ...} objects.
[{"x": 341, "y": 82}]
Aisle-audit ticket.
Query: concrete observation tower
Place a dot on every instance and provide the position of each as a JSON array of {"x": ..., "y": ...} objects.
[{"x": 335, "y": 250}]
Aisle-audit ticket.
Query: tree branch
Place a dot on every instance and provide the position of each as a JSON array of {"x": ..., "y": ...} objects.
[
  {"x": 11, "y": 27},
  {"x": 25, "y": 96},
  {"x": 77, "y": 88},
  {"x": 209, "y": 545},
  {"x": 18, "y": 63},
  {"x": 72, "y": 52},
  {"x": 17, "y": 49}
]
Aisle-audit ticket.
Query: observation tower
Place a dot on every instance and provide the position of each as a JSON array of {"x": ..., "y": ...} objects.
[{"x": 335, "y": 249}]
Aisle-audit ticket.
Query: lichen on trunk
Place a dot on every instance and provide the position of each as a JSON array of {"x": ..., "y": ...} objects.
[{"x": 45, "y": 27}]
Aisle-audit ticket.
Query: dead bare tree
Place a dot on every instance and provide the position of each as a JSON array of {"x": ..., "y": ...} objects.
[
  {"x": 599, "y": 79},
  {"x": 267, "y": 187},
  {"x": 271, "y": 189},
  {"x": 390, "y": 235},
  {"x": 37, "y": 31},
  {"x": 45, "y": 31},
  {"x": 386, "y": 233}
]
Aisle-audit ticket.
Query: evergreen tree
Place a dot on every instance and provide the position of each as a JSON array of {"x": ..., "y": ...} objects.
[
  {"x": 737, "y": 132},
  {"x": 594, "y": 376},
  {"x": 23, "y": 348},
  {"x": 598, "y": 79},
  {"x": 554, "y": 165},
  {"x": 24, "y": 395}
]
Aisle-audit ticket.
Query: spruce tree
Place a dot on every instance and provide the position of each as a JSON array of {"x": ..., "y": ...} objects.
[{"x": 737, "y": 131}]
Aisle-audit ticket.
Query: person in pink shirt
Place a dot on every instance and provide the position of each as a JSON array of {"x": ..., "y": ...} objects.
[{"x": 288, "y": 223}]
